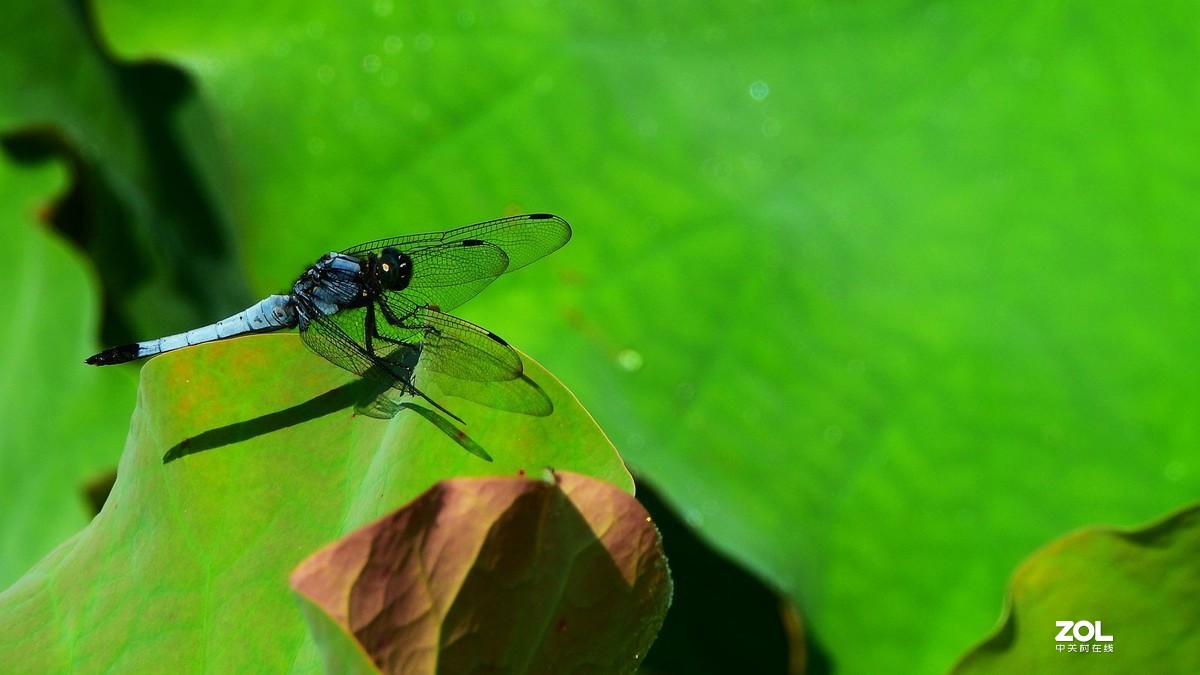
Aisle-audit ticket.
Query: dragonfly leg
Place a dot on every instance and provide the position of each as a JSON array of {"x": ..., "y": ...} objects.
[
  {"x": 372, "y": 333},
  {"x": 398, "y": 321},
  {"x": 371, "y": 330}
]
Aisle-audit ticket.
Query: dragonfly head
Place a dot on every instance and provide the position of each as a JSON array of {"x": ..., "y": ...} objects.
[{"x": 395, "y": 269}]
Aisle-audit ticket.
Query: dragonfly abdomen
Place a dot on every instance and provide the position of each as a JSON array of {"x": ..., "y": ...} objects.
[{"x": 274, "y": 313}]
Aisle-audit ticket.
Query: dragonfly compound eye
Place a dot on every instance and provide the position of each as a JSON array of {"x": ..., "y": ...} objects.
[{"x": 395, "y": 269}]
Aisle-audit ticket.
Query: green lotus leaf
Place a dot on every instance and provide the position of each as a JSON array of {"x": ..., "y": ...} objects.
[
  {"x": 190, "y": 557},
  {"x": 1102, "y": 600},
  {"x": 61, "y": 424},
  {"x": 883, "y": 296}
]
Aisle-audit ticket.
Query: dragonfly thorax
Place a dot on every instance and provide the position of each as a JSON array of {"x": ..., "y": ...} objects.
[{"x": 332, "y": 284}]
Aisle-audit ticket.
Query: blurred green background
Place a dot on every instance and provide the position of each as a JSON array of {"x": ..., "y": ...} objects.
[{"x": 882, "y": 297}]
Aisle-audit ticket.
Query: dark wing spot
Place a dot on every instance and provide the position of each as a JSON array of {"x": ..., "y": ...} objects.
[
  {"x": 540, "y": 216},
  {"x": 473, "y": 242},
  {"x": 497, "y": 338}
]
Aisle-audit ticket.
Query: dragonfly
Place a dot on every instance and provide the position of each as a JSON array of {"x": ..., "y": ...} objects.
[{"x": 379, "y": 310}]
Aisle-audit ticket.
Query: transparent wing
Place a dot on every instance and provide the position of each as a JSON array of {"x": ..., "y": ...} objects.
[
  {"x": 325, "y": 337},
  {"x": 340, "y": 339},
  {"x": 523, "y": 239},
  {"x": 447, "y": 276},
  {"x": 462, "y": 359},
  {"x": 450, "y": 346},
  {"x": 388, "y": 372},
  {"x": 467, "y": 361},
  {"x": 451, "y": 267}
]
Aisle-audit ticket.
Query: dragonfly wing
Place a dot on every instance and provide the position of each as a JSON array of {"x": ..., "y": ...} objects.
[
  {"x": 325, "y": 336},
  {"x": 470, "y": 362},
  {"x": 451, "y": 267},
  {"x": 450, "y": 346},
  {"x": 520, "y": 395},
  {"x": 447, "y": 276},
  {"x": 463, "y": 350},
  {"x": 339, "y": 339},
  {"x": 388, "y": 375},
  {"x": 523, "y": 239}
]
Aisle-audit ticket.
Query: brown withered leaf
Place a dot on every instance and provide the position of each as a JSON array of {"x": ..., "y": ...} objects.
[{"x": 558, "y": 575}]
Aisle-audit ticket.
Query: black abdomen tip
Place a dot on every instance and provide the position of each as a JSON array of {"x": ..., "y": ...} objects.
[{"x": 114, "y": 355}]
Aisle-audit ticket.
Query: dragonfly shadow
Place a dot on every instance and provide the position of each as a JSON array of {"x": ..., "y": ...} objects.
[{"x": 360, "y": 395}]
